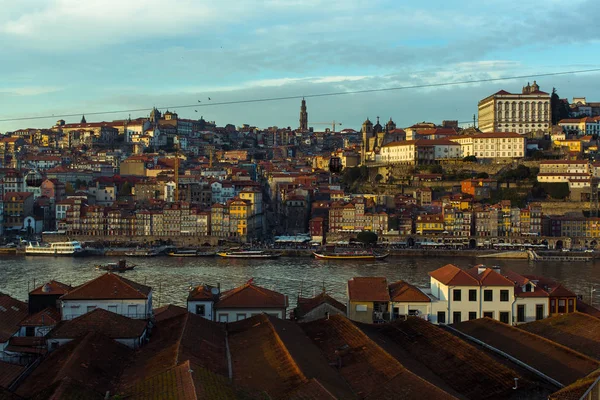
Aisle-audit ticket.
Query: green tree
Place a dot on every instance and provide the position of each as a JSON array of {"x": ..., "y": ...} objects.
[
  {"x": 436, "y": 169},
  {"x": 367, "y": 237},
  {"x": 560, "y": 108},
  {"x": 378, "y": 178},
  {"x": 470, "y": 159},
  {"x": 556, "y": 190},
  {"x": 125, "y": 189},
  {"x": 482, "y": 175}
]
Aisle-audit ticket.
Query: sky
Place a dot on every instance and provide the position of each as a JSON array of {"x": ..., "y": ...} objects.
[{"x": 81, "y": 56}]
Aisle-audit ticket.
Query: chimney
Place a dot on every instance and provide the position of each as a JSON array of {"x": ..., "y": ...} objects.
[{"x": 496, "y": 268}]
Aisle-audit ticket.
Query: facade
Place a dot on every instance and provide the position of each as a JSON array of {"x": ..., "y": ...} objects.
[
  {"x": 368, "y": 299},
  {"x": 581, "y": 126},
  {"x": 249, "y": 300},
  {"x": 17, "y": 207},
  {"x": 109, "y": 292},
  {"x": 320, "y": 306},
  {"x": 408, "y": 300},
  {"x": 202, "y": 299},
  {"x": 496, "y": 145},
  {"x": 525, "y": 112},
  {"x": 420, "y": 151}
]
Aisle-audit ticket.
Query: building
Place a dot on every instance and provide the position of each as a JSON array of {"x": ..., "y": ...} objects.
[
  {"x": 581, "y": 126},
  {"x": 420, "y": 151},
  {"x": 408, "y": 300},
  {"x": 110, "y": 292},
  {"x": 480, "y": 189},
  {"x": 430, "y": 224},
  {"x": 17, "y": 207},
  {"x": 461, "y": 295},
  {"x": 525, "y": 112},
  {"x": 317, "y": 307},
  {"x": 249, "y": 300},
  {"x": 303, "y": 117},
  {"x": 201, "y": 301},
  {"x": 368, "y": 299},
  {"x": 47, "y": 296},
  {"x": 493, "y": 145},
  {"x": 12, "y": 311}
]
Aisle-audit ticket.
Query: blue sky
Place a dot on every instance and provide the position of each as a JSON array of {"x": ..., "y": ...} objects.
[{"x": 82, "y": 56}]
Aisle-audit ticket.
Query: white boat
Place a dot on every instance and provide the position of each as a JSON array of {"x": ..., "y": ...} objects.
[
  {"x": 248, "y": 254},
  {"x": 72, "y": 248}
]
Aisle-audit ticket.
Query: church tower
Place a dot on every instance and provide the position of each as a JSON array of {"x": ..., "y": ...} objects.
[
  {"x": 303, "y": 117},
  {"x": 83, "y": 121}
]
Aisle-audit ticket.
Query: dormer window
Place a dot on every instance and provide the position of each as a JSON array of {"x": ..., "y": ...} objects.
[{"x": 529, "y": 287}]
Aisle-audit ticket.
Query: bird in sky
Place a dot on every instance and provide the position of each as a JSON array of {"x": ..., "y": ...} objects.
[
  {"x": 209, "y": 98},
  {"x": 196, "y": 110},
  {"x": 199, "y": 101}
]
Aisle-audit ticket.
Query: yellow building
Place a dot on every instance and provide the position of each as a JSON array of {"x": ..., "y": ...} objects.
[
  {"x": 574, "y": 145},
  {"x": 430, "y": 224},
  {"x": 239, "y": 217},
  {"x": 368, "y": 299}
]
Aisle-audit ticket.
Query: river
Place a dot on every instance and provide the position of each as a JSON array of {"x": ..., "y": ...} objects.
[{"x": 171, "y": 277}]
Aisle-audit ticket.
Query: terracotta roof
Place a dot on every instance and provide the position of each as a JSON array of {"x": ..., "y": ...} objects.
[
  {"x": 109, "y": 286},
  {"x": 369, "y": 370},
  {"x": 8, "y": 373},
  {"x": 49, "y": 316},
  {"x": 309, "y": 359},
  {"x": 307, "y": 304},
  {"x": 20, "y": 196},
  {"x": 405, "y": 292},
  {"x": 94, "y": 361},
  {"x": 260, "y": 361},
  {"x": 114, "y": 326},
  {"x": 489, "y": 277},
  {"x": 311, "y": 390},
  {"x": 174, "y": 383},
  {"x": 577, "y": 389},
  {"x": 488, "y": 135},
  {"x": 587, "y": 309},
  {"x": 203, "y": 292},
  {"x": 175, "y": 340},
  {"x": 168, "y": 311},
  {"x": 251, "y": 296},
  {"x": 68, "y": 389},
  {"x": 558, "y": 362},
  {"x": 452, "y": 275},
  {"x": 368, "y": 289},
  {"x": 12, "y": 311},
  {"x": 577, "y": 331},
  {"x": 553, "y": 288}
]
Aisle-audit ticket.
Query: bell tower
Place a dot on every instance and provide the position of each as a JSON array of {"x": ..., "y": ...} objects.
[{"x": 303, "y": 117}]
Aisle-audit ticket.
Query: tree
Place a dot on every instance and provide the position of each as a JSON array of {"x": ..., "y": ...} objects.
[
  {"x": 378, "y": 178},
  {"x": 482, "y": 175},
  {"x": 470, "y": 159},
  {"x": 125, "y": 189},
  {"x": 367, "y": 237},
  {"x": 560, "y": 108},
  {"x": 556, "y": 190},
  {"x": 436, "y": 169}
]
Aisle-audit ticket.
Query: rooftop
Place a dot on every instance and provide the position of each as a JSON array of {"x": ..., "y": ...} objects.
[
  {"x": 251, "y": 296},
  {"x": 108, "y": 286},
  {"x": 368, "y": 289},
  {"x": 12, "y": 311},
  {"x": 402, "y": 291},
  {"x": 112, "y": 325},
  {"x": 307, "y": 304},
  {"x": 452, "y": 275}
]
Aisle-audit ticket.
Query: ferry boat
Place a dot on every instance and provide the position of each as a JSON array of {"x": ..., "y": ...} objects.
[
  {"x": 120, "y": 266},
  {"x": 192, "y": 253},
  {"x": 72, "y": 248},
  {"x": 248, "y": 254},
  {"x": 351, "y": 255}
]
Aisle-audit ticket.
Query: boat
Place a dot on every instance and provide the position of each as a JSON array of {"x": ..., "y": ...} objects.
[
  {"x": 142, "y": 253},
  {"x": 351, "y": 255},
  {"x": 260, "y": 254},
  {"x": 191, "y": 253},
  {"x": 120, "y": 266},
  {"x": 72, "y": 248}
]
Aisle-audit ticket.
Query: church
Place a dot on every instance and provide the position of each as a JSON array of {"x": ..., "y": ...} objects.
[{"x": 376, "y": 136}]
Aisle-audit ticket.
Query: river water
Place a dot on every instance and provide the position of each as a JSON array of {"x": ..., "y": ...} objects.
[{"x": 171, "y": 277}]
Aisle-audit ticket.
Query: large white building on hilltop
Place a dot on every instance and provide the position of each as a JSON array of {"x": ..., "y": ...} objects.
[{"x": 523, "y": 113}]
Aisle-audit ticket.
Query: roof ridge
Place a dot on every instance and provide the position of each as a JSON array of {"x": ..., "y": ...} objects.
[
  {"x": 129, "y": 283},
  {"x": 287, "y": 353},
  {"x": 184, "y": 326}
]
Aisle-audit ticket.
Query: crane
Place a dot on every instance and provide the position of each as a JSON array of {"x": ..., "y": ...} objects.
[{"x": 333, "y": 124}]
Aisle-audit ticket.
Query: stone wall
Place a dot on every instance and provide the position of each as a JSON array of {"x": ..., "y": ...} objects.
[{"x": 180, "y": 241}]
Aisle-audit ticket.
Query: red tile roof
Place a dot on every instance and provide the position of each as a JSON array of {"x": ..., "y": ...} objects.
[
  {"x": 368, "y": 289},
  {"x": 109, "y": 324},
  {"x": 174, "y": 383},
  {"x": 8, "y": 373},
  {"x": 305, "y": 305},
  {"x": 108, "y": 286},
  {"x": 168, "y": 311},
  {"x": 452, "y": 275},
  {"x": 311, "y": 390},
  {"x": 94, "y": 361},
  {"x": 12, "y": 311},
  {"x": 489, "y": 277},
  {"x": 47, "y": 317},
  {"x": 203, "y": 292},
  {"x": 402, "y": 291},
  {"x": 251, "y": 296}
]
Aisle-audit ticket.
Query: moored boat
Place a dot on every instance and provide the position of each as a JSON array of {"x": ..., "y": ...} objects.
[
  {"x": 351, "y": 255},
  {"x": 142, "y": 253},
  {"x": 191, "y": 253},
  {"x": 120, "y": 266},
  {"x": 260, "y": 254},
  {"x": 72, "y": 248}
]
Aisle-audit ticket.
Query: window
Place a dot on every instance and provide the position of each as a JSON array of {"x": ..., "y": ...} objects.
[
  {"x": 112, "y": 309},
  {"x": 456, "y": 317},
  {"x": 472, "y": 315},
  {"x": 504, "y": 317},
  {"x": 201, "y": 309},
  {"x": 504, "y": 295},
  {"x": 521, "y": 313},
  {"x": 472, "y": 294},
  {"x": 456, "y": 294},
  {"x": 571, "y": 305},
  {"x": 223, "y": 317},
  {"x": 441, "y": 317},
  {"x": 239, "y": 317},
  {"x": 562, "y": 306},
  {"x": 91, "y": 308},
  {"x": 488, "y": 314},
  {"x": 361, "y": 307},
  {"x": 132, "y": 310},
  {"x": 488, "y": 295}
]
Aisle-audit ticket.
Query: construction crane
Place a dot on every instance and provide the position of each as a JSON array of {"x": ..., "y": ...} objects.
[{"x": 333, "y": 124}]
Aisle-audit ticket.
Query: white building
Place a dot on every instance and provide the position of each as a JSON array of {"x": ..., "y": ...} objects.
[
  {"x": 110, "y": 292},
  {"x": 581, "y": 126},
  {"x": 408, "y": 300},
  {"x": 249, "y": 300},
  {"x": 419, "y": 151},
  {"x": 494, "y": 145},
  {"x": 201, "y": 301},
  {"x": 528, "y": 111},
  {"x": 461, "y": 295}
]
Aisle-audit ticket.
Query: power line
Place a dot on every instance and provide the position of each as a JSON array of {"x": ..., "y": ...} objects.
[{"x": 296, "y": 97}]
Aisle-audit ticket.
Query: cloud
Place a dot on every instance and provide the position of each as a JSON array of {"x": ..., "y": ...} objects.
[{"x": 29, "y": 90}]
